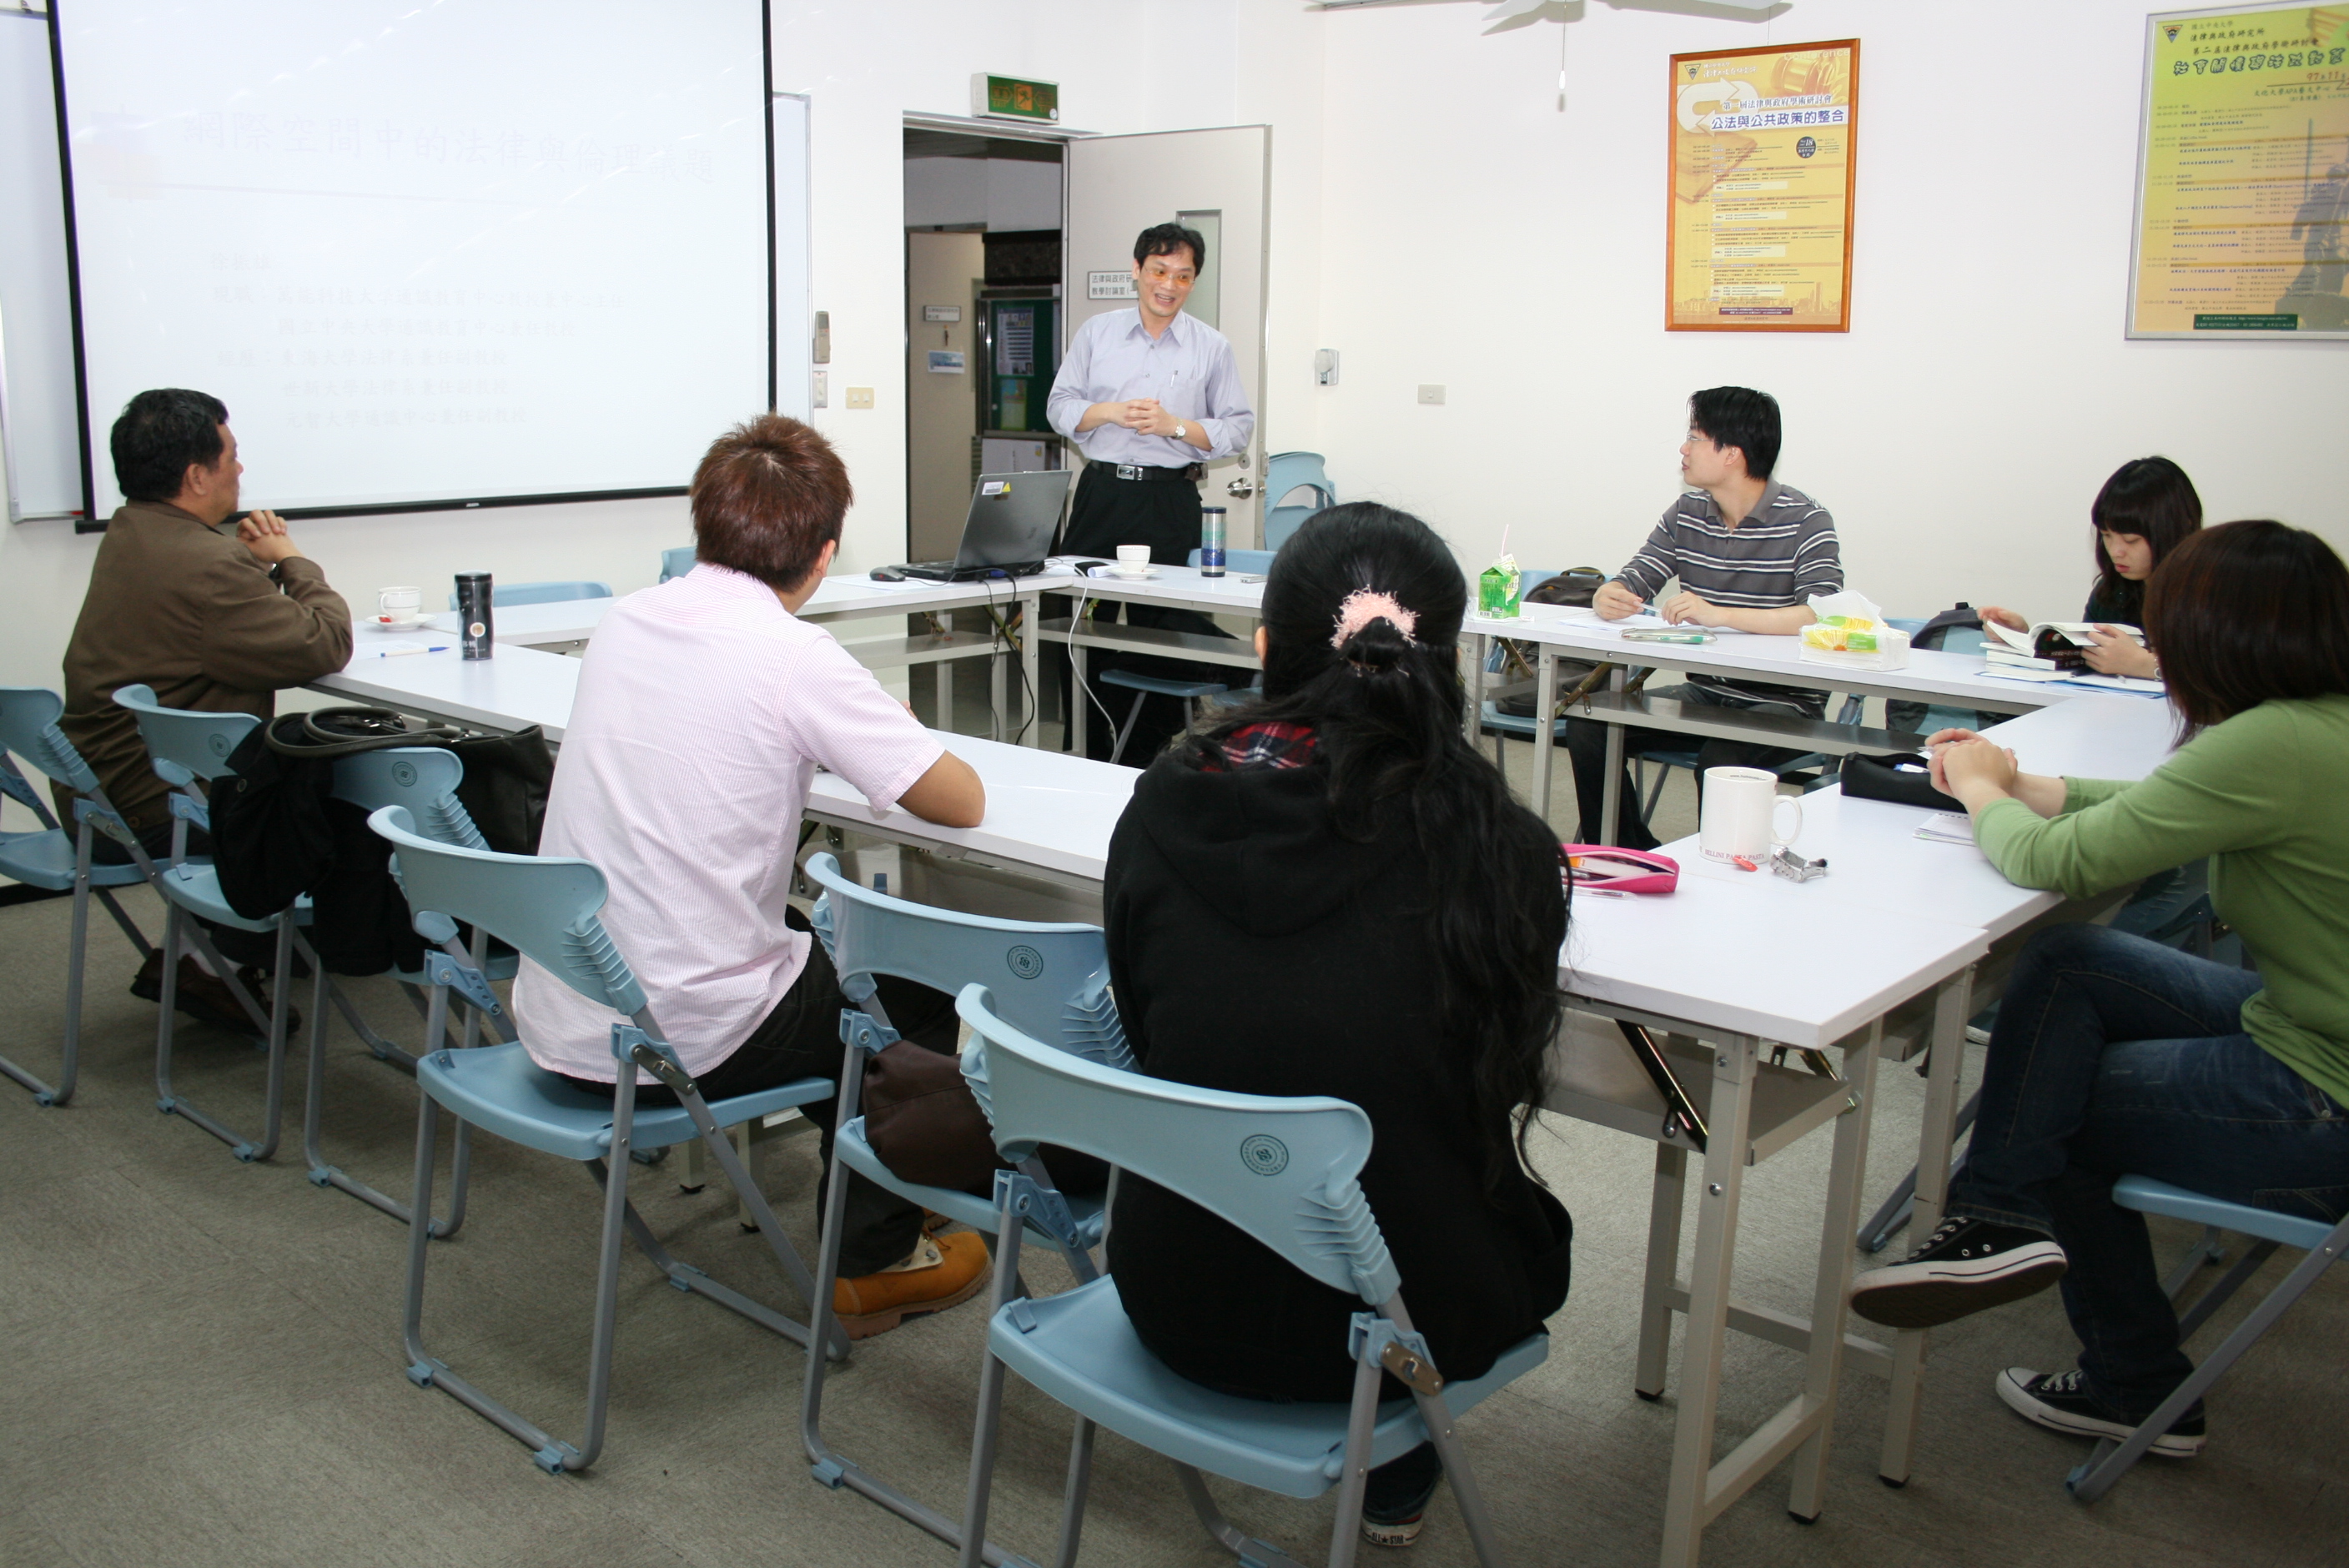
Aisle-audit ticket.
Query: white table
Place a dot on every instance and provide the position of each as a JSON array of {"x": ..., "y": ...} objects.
[
  {"x": 1875, "y": 861},
  {"x": 845, "y": 597},
  {"x": 1174, "y": 587},
  {"x": 1049, "y": 815},
  {"x": 1932, "y": 676},
  {"x": 514, "y": 689}
]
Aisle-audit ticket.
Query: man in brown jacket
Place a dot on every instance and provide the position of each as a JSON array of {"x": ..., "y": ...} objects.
[{"x": 215, "y": 620}]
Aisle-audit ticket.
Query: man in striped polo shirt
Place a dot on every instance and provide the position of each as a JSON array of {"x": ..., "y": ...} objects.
[{"x": 1748, "y": 552}]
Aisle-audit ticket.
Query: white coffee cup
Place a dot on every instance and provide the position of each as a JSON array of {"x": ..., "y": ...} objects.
[
  {"x": 1133, "y": 555},
  {"x": 400, "y": 606},
  {"x": 1740, "y": 820}
]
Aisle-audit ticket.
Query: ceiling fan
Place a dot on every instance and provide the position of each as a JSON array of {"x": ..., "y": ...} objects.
[{"x": 1509, "y": 8}]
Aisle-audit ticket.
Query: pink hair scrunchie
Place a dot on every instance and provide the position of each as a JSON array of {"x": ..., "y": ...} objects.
[{"x": 1364, "y": 605}]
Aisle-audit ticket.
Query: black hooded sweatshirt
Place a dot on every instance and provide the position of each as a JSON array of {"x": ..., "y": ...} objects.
[{"x": 1255, "y": 949}]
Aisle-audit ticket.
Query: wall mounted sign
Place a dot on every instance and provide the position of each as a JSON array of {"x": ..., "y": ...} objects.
[
  {"x": 1009, "y": 98},
  {"x": 1761, "y": 194},
  {"x": 2242, "y": 180},
  {"x": 1111, "y": 285},
  {"x": 946, "y": 362},
  {"x": 942, "y": 312}
]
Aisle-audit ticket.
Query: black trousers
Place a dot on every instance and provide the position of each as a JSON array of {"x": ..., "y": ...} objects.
[
  {"x": 1586, "y": 745},
  {"x": 800, "y": 1038},
  {"x": 1165, "y": 515}
]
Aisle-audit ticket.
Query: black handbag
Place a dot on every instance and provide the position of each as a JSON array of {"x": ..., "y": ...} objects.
[{"x": 1903, "y": 778}]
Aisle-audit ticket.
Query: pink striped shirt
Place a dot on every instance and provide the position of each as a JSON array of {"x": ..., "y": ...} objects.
[{"x": 703, "y": 711}]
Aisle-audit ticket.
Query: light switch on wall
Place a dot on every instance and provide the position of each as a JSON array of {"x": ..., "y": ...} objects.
[
  {"x": 823, "y": 399},
  {"x": 1429, "y": 392},
  {"x": 860, "y": 396}
]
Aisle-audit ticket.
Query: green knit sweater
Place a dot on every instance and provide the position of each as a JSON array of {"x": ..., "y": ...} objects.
[{"x": 2261, "y": 795}]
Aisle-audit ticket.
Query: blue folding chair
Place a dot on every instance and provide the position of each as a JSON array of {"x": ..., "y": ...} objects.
[
  {"x": 51, "y": 857},
  {"x": 1285, "y": 473},
  {"x": 1281, "y": 1171},
  {"x": 2269, "y": 1230},
  {"x": 503, "y": 595},
  {"x": 677, "y": 562},
  {"x": 545, "y": 908},
  {"x": 424, "y": 779},
  {"x": 188, "y": 748},
  {"x": 1051, "y": 980}
]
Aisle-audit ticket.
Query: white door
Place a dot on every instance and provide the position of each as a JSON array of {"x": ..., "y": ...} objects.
[{"x": 1216, "y": 181}]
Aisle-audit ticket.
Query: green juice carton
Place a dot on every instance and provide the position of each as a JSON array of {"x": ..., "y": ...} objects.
[{"x": 1500, "y": 590}]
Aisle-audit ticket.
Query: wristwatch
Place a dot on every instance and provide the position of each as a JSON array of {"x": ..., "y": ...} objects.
[{"x": 1179, "y": 429}]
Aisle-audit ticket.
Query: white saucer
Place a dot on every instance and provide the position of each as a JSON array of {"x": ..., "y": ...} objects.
[
  {"x": 1131, "y": 573},
  {"x": 382, "y": 625}
]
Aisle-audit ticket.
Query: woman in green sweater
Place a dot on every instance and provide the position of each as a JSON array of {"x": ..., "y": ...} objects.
[{"x": 2115, "y": 1055}]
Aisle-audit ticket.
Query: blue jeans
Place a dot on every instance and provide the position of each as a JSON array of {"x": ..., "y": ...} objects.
[{"x": 2114, "y": 1056}]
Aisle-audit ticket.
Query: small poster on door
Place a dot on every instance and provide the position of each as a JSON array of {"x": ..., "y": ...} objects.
[
  {"x": 1015, "y": 341},
  {"x": 1111, "y": 285},
  {"x": 946, "y": 362}
]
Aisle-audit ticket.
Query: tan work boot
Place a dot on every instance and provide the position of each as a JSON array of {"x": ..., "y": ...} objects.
[{"x": 940, "y": 1272}]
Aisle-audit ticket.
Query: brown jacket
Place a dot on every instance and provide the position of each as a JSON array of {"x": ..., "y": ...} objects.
[{"x": 189, "y": 611}]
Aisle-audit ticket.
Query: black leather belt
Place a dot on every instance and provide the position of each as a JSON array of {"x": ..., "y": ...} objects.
[{"x": 1144, "y": 472}]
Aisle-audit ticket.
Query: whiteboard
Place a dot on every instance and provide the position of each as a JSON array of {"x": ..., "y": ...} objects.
[
  {"x": 36, "y": 395},
  {"x": 428, "y": 255}
]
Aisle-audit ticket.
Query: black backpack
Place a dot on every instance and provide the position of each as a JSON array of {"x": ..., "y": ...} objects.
[{"x": 1576, "y": 587}]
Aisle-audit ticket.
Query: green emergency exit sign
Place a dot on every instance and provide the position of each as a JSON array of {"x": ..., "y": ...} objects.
[{"x": 1009, "y": 97}]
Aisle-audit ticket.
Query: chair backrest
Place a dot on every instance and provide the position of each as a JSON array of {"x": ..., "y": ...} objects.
[
  {"x": 1284, "y": 474},
  {"x": 29, "y": 726},
  {"x": 504, "y": 593},
  {"x": 1287, "y": 471},
  {"x": 423, "y": 779},
  {"x": 677, "y": 562},
  {"x": 1283, "y": 1171},
  {"x": 1240, "y": 560},
  {"x": 1050, "y": 981},
  {"x": 544, "y": 907},
  {"x": 184, "y": 745}
]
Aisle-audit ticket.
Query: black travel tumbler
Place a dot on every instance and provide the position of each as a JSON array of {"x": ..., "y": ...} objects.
[{"x": 473, "y": 623}]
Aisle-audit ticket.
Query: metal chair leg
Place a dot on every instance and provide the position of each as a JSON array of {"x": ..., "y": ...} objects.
[
  {"x": 976, "y": 1492},
  {"x": 175, "y": 927},
  {"x": 2112, "y": 1461},
  {"x": 1132, "y": 715},
  {"x": 320, "y": 1172}
]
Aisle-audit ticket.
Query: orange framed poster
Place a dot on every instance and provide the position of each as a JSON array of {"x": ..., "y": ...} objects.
[{"x": 1762, "y": 168}]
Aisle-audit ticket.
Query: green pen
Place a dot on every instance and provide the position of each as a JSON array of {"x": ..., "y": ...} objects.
[{"x": 1683, "y": 638}]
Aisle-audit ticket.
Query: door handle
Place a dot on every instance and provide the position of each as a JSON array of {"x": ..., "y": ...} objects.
[{"x": 1240, "y": 490}]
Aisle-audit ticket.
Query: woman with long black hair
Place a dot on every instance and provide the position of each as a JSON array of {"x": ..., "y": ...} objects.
[{"x": 1332, "y": 894}]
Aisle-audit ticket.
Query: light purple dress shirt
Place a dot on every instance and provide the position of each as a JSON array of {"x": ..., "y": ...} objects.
[{"x": 1189, "y": 369}]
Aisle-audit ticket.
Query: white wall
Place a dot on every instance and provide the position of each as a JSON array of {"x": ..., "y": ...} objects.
[{"x": 1475, "y": 236}]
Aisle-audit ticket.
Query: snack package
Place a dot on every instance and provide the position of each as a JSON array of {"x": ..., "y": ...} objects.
[{"x": 1500, "y": 591}]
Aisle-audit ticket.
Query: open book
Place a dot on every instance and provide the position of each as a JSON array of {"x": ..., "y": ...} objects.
[{"x": 2049, "y": 645}]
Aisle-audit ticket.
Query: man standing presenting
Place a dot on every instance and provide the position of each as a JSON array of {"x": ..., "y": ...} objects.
[
  {"x": 1749, "y": 552},
  {"x": 214, "y": 621},
  {"x": 1148, "y": 394}
]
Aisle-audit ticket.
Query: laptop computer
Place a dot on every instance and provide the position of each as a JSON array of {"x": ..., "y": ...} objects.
[{"x": 1009, "y": 529}]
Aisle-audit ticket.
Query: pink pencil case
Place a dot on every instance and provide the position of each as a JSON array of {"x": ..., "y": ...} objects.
[{"x": 1611, "y": 869}]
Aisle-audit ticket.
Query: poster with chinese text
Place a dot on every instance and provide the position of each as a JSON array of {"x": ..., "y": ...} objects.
[
  {"x": 2243, "y": 175},
  {"x": 1762, "y": 150}
]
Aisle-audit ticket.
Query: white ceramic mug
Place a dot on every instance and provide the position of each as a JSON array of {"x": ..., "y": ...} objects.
[
  {"x": 1133, "y": 555},
  {"x": 400, "y": 606},
  {"x": 1740, "y": 820}
]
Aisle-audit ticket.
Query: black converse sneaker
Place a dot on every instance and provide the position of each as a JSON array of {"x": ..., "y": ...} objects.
[
  {"x": 1965, "y": 1266},
  {"x": 2060, "y": 1402}
]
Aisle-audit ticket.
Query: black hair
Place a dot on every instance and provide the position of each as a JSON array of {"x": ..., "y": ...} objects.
[
  {"x": 1166, "y": 238},
  {"x": 159, "y": 435},
  {"x": 1385, "y": 710},
  {"x": 2153, "y": 499},
  {"x": 1742, "y": 417},
  {"x": 2246, "y": 612}
]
